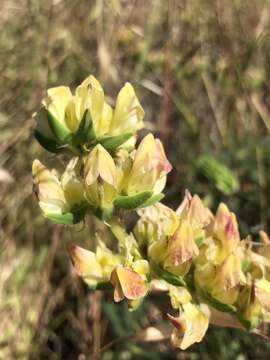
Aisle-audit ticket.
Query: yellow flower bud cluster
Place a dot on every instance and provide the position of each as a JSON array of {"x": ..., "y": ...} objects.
[{"x": 199, "y": 256}]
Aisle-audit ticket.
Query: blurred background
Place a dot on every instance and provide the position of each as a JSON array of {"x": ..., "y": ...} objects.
[{"x": 200, "y": 69}]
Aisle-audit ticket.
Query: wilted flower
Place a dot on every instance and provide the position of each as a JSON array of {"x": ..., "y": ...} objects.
[
  {"x": 127, "y": 284},
  {"x": 190, "y": 326}
]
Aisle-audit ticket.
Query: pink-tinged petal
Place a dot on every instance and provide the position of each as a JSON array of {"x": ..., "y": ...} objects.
[
  {"x": 176, "y": 322},
  {"x": 165, "y": 165},
  {"x": 190, "y": 326},
  {"x": 226, "y": 228},
  {"x": 181, "y": 246},
  {"x": 127, "y": 283}
]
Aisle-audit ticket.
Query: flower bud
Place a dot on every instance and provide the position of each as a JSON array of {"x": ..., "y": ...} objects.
[
  {"x": 225, "y": 228},
  {"x": 100, "y": 179}
]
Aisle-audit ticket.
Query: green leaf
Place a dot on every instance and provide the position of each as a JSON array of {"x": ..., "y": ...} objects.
[
  {"x": 58, "y": 129},
  {"x": 48, "y": 144},
  {"x": 166, "y": 275},
  {"x": 134, "y": 201},
  {"x": 153, "y": 199},
  {"x": 85, "y": 130},
  {"x": 112, "y": 142},
  {"x": 218, "y": 173}
]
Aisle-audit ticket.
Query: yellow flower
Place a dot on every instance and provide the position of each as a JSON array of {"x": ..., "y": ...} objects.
[
  {"x": 150, "y": 167},
  {"x": 190, "y": 326},
  {"x": 100, "y": 178},
  {"x": 196, "y": 214},
  {"x": 59, "y": 198},
  {"x": 90, "y": 95},
  {"x": 128, "y": 115},
  {"x": 156, "y": 221},
  {"x": 181, "y": 249},
  {"x": 193, "y": 211},
  {"x": 179, "y": 296},
  {"x": 94, "y": 268},
  {"x": 85, "y": 116},
  {"x": 227, "y": 280},
  {"x": 262, "y": 293}
]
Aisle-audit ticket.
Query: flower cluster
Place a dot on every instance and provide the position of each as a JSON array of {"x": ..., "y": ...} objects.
[{"x": 207, "y": 270}]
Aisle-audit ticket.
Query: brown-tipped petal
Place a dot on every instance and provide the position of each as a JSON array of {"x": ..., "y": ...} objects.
[{"x": 127, "y": 283}]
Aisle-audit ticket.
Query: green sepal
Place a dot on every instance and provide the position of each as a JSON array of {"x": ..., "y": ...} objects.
[
  {"x": 153, "y": 199},
  {"x": 245, "y": 265},
  {"x": 134, "y": 201},
  {"x": 218, "y": 305},
  {"x": 85, "y": 132},
  {"x": 103, "y": 214},
  {"x": 104, "y": 285},
  {"x": 68, "y": 218},
  {"x": 113, "y": 142},
  {"x": 176, "y": 280},
  {"x": 59, "y": 130},
  {"x": 199, "y": 240},
  {"x": 246, "y": 323},
  {"x": 47, "y": 143}
]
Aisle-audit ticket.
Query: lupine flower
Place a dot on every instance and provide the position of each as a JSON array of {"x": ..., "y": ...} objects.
[{"x": 60, "y": 199}]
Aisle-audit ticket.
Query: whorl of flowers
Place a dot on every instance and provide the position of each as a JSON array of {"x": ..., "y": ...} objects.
[{"x": 208, "y": 271}]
